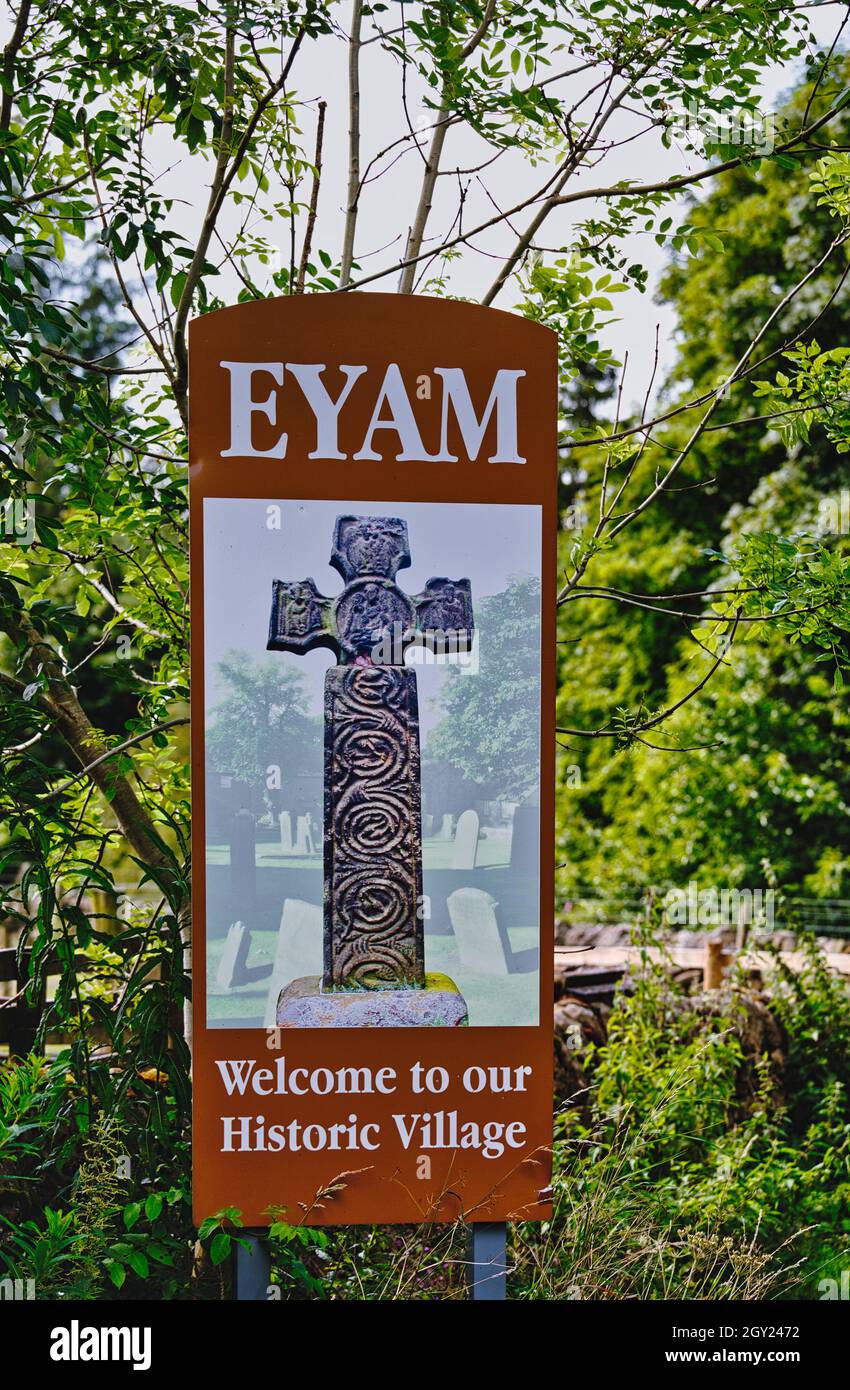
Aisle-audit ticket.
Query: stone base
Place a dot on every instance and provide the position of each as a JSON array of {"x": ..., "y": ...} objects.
[{"x": 439, "y": 1005}]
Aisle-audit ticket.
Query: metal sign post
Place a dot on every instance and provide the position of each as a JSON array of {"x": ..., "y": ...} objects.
[
  {"x": 488, "y": 1260},
  {"x": 253, "y": 1268}
]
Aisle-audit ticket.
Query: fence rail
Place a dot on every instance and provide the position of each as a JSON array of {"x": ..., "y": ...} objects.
[{"x": 20, "y": 1017}]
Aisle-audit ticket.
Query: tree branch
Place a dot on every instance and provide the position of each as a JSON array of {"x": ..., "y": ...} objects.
[
  {"x": 10, "y": 53},
  {"x": 314, "y": 200},
  {"x": 613, "y": 191},
  {"x": 736, "y": 371},
  {"x": 664, "y": 714},
  {"x": 96, "y": 367},
  {"x": 83, "y": 740},
  {"x": 432, "y": 163},
  {"x": 113, "y": 752},
  {"x": 193, "y": 274},
  {"x": 222, "y": 179},
  {"x": 354, "y": 45}
]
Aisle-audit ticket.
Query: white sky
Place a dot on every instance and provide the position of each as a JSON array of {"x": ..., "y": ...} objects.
[{"x": 387, "y": 205}]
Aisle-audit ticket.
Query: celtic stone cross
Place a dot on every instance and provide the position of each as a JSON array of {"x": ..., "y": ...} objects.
[{"x": 373, "y": 918}]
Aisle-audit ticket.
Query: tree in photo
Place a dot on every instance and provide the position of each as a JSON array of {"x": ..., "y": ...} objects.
[{"x": 489, "y": 728}]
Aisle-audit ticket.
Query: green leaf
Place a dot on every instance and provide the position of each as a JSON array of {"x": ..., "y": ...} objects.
[
  {"x": 153, "y": 1205},
  {"x": 139, "y": 1263},
  {"x": 177, "y": 284},
  {"x": 220, "y": 1247},
  {"x": 132, "y": 1212}
]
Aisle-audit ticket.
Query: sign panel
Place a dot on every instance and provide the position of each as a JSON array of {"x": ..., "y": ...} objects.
[{"x": 373, "y": 518}]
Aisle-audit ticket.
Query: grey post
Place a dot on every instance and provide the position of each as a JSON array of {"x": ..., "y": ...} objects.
[
  {"x": 488, "y": 1260},
  {"x": 253, "y": 1268}
]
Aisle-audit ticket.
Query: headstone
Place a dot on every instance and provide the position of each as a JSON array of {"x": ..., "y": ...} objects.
[
  {"x": 525, "y": 839},
  {"x": 299, "y": 950},
  {"x": 446, "y": 827},
  {"x": 303, "y": 838},
  {"x": 427, "y": 825},
  {"x": 285, "y": 822},
  {"x": 482, "y": 942},
  {"x": 373, "y": 927},
  {"x": 231, "y": 965},
  {"x": 466, "y": 841},
  {"x": 243, "y": 867}
]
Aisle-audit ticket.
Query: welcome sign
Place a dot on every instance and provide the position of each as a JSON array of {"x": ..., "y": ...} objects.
[{"x": 373, "y": 516}]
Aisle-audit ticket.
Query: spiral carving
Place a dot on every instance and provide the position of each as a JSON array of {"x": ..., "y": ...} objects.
[{"x": 373, "y": 928}]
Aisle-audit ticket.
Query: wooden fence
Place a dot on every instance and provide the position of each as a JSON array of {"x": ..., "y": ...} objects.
[{"x": 19, "y": 1016}]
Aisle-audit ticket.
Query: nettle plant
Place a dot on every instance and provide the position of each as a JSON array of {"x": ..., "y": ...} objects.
[{"x": 159, "y": 160}]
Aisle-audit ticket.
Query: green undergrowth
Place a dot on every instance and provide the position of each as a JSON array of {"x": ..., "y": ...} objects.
[{"x": 692, "y": 1168}]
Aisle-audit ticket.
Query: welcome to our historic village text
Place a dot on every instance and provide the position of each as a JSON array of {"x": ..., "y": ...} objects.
[{"x": 418, "y": 1130}]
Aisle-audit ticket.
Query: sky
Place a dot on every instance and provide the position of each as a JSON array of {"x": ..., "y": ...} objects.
[
  {"x": 388, "y": 201},
  {"x": 383, "y": 220}
]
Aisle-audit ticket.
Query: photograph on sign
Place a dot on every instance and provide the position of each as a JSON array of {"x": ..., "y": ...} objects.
[{"x": 401, "y": 712}]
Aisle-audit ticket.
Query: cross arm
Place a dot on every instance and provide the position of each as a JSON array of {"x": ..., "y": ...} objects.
[
  {"x": 445, "y": 607},
  {"x": 301, "y": 618}
]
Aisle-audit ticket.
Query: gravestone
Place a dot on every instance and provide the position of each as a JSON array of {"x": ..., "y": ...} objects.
[
  {"x": 285, "y": 822},
  {"x": 482, "y": 942},
  {"x": 234, "y": 955},
  {"x": 525, "y": 839},
  {"x": 299, "y": 950},
  {"x": 304, "y": 839},
  {"x": 373, "y": 920},
  {"x": 466, "y": 841},
  {"x": 243, "y": 865},
  {"x": 446, "y": 827}
]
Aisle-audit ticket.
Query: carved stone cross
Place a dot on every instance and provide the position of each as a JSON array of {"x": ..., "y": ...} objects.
[{"x": 373, "y": 905}]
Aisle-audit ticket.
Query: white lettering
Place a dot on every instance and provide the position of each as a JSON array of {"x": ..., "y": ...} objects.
[
  {"x": 326, "y": 411},
  {"x": 243, "y": 408},
  {"x": 502, "y": 400},
  {"x": 402, "y": 421}
]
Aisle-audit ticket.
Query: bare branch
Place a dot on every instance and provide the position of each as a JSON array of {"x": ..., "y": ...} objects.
[
  {"x": 353, "y": 146},
  {"x": 193, "y": 274},
  {"x": 432, "y": 164},
  {"x": 736, "y": 371},
  {"x": 314, "y": 200},
  {"x": 222, "y": 179},
  {"x": 671, "y": 185},
  {"x": 664, "y": 714},
  {"x": 96, "y": 367}
]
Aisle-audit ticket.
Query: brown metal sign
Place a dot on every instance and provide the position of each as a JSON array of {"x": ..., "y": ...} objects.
[{"x": 373, "y": 518}]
